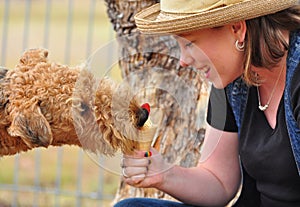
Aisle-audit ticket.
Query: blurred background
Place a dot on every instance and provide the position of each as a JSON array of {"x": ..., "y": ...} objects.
[{"x": 71, "y": 30}]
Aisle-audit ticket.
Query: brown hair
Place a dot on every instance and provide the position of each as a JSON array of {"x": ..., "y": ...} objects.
[{"x": 265, "y": 43}]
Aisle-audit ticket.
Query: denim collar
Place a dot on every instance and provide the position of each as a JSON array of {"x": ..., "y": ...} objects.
[{"x": 293, "y": 61}]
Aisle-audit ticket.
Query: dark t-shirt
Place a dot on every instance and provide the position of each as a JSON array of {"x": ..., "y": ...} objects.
[{"x": 270, "y": 176}]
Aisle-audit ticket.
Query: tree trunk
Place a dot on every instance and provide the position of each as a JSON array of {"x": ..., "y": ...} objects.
[{"x": 150, "y": 64}]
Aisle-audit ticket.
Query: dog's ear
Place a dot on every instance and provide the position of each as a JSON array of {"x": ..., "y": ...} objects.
[{"x": 32, "y": 127}]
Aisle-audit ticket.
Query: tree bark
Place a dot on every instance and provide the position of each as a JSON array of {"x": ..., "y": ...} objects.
[{"x": 150, "y": 64}]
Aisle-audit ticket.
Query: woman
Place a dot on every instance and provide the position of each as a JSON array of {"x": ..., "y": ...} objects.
[{"x": 254, "y": 50}]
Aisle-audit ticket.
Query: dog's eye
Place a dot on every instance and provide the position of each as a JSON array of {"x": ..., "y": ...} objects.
[{"x": 84, "y": 108}]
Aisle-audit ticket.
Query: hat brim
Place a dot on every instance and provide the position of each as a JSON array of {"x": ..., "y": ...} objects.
[{"x": 152, "y": 21}]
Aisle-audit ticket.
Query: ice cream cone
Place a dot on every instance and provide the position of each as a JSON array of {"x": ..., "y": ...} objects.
[
  {"x": 142, "y": 146},
  {"x": 146, "y": 134},
  {"x": 145, "y": 137}
]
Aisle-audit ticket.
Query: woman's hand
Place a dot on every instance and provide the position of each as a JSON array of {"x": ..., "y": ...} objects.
[{"x": 145, "y": 172}]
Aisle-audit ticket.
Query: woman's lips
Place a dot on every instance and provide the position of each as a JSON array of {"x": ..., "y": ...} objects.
[{"x": 205, "y": 70}]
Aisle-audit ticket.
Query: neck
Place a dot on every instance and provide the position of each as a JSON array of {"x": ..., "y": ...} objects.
[{"x": 271, "y": 89}]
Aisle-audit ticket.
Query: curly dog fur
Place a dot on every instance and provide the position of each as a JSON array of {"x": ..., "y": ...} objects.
[{"x": 44, "y": 103}]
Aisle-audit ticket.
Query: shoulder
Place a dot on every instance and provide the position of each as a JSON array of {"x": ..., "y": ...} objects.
[
  {"x": 294, "y": 94},
  {"x": 293, "y": 73},
  {"x": 295, "y": 87}
]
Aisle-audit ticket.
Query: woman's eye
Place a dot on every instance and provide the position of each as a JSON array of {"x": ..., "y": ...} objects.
[{"x": 189, "y": 44}]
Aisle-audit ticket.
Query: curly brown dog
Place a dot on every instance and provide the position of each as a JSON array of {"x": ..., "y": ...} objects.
[{"x": 43, "y": 103}]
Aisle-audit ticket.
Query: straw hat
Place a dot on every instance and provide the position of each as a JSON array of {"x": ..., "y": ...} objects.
[{"x": 177, "y": 16}]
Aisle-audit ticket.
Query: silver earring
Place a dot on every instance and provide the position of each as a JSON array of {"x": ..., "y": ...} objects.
[{"x": 240, "y": 46}]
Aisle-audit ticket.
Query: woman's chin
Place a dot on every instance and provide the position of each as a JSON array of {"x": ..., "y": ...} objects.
[{"x": 218, "y": 84}]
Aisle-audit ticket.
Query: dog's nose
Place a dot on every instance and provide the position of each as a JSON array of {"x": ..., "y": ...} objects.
[{"x": 142, "y": 116}]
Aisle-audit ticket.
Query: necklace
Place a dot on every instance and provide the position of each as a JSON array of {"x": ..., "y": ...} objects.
[{"x": 264, "y": 107}]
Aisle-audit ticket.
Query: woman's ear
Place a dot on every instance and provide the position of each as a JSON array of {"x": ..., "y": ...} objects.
[{"x": 239, "y": 30}]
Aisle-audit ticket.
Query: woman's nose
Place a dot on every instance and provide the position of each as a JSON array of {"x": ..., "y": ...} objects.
[
  {"x": 185, "y": 61},
  {"x": 183, "y": 64}
]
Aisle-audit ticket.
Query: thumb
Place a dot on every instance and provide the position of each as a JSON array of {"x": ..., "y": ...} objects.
[{"x": 154, "y": 151}]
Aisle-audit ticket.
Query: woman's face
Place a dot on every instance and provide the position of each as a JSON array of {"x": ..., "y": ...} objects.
[{"x": 213, "y": 52}]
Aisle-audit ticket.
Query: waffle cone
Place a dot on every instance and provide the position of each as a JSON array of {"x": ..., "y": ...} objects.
[
  {"x": 145, "y": 137},
  {"x": 142, "y": 146}
]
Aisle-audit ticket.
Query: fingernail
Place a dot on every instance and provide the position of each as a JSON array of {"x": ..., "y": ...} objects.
[{"x": 148, "y": 154}]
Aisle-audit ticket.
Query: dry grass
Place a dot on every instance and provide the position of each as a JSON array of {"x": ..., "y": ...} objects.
[{"x": 89, "y": 175}]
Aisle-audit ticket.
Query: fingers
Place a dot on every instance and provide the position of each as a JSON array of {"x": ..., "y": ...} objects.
[
  {"x": 134, "y": 162},
  {"x": 144, "y": 172},
  {"x": 136, "y": 181},
  {"x": 130, "y": 172},
  {"x": 135, "y": 167}
]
